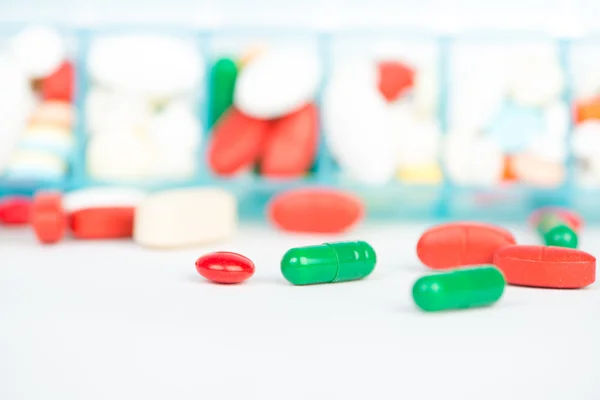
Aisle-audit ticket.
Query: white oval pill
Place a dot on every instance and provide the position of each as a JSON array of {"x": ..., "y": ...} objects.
[
  {"x": 473, "y": 160},
  {"x": 176, "y": 126},
  {"x": 120, "y": 157},
  {"x": 537, "y": 82},
  {"x": 100, "y": 197},
  {"x": 277, "y": 83},
  {"x": 108, "y": 112},
  {"x": 39, "y": 50},
  {"x": 586, "y": 139},
  {"x": 185, "y": 217}
]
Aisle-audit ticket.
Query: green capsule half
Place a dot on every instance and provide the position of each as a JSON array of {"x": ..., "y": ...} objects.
[
  {"x": 461, "y": 288},
  {"x": 328, "y": 263},
  {"x": 555, "y": 231},
  {"x": 223, "y": 76}
]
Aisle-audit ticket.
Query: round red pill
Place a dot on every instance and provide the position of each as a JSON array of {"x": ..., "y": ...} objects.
[
  {"x": 102, "y": 223},
  {"x": 315, "y": 210},
  {"x": 394, "y": 79},
  {"x": 15, "y": 210},
  {"x": 571, "y": 218},
  {"x": 61, "y": 84},
  {"x": 48, "y": 217},
  {"x": 546, "y": 266},
  {"x": 225, "y": 267},
  {"x": 461, "y": 243}
]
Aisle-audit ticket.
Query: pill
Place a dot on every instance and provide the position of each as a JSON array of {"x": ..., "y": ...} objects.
[
  {"x": 53, "y": 139},
  {"x": 277, "y": 83},
  {"x": 225, "y": 267},
  {"x": 15, "y": 210},
  {"x": 395, "y": 78},
  {"x": 36, "y": 165},
  {"x": 48, "y": 217},
  {"x": 39, "y": 50},
  {"x": 176, "y": 127},
  {"x": 425, "y": 92},
  {"x": 328, "y": 263},
  {"x": 546, "y": 266},
  {"x": 222, "y": 86},
  {"x": 459, "y": 289},
  {"x": 236, "y": 143},
  {"x": 461, "y": 243},
  {"x": 537, "y": 171},
  {"x": 537, "y": 82},
  {"x": 430, "y": 174},
  {"x": 555, "y": 231},
  {"x": 57, "y": 113},
  {"x": 60, "y": 85},
  {"x": 185, "y": 217},
  {"x": 291, "y": 145},
  {"x": 586, "y": 139},
  {"x": 315, "y": 210},
  {"x": 474, "y": 160},
  {"x": 588, "y": 109},
  {"x": 570, "y": 217},
  {"x": 250, "y": 55},
  {"x": 99, "y": 197}
]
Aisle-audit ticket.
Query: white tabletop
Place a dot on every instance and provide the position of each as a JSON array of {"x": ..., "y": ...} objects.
[{"x": 111, "y": 320}]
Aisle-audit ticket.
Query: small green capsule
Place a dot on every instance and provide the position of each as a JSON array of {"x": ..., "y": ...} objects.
[
  {"x": 556, "y": 232},
  {"x": 223, "y": 77},
  {"x": 461, "y": 288},
  {"x": 328, "y": 263}
]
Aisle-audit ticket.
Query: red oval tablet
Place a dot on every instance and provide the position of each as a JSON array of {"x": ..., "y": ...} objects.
[
  {"x": 48, "y": 217},
  {"x": 60, "y": 85},
  {"x": 546, "y": 266},
  {"x": 462, "y": 243},
  {"x": 315, "y": 210},
  {"x": 225, "y": 267},
  {"x": 102, "y": 223},
  {"x": 571, "y": 218},
  {"x": 291, "y": 145},
  {"x": 394, "y": 79},
  {"x": 15, "y": 210},
  {"x": 236, "y": 143}
]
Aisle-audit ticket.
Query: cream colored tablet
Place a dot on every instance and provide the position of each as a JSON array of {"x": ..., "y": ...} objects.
[{"x": 185, "y": 217}]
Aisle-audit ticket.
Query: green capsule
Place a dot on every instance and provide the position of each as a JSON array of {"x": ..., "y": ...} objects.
[
  {"x": 555, "y": 231},
  {"x": 328, "y": 263},
  {"x": 461, "y": 288},
  {"x": 223, "y": 77}
]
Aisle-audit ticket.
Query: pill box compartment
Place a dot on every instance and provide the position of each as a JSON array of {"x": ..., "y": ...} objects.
[{"x": 38, "y": 127}]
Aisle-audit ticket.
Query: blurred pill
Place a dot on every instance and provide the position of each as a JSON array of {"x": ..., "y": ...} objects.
[
  {"x": 109, "y": 112},
  {"x": 60, "y": 85},
  {"x": 429, "y": 174},
  {"x": 291, "y": 145},
  {"x": 418, "y": 139},
  {"x": 357, "y": 125},
  {"x": 514, "y": 126},
  {"x": 586, "y": 139},
  {"x": 156, "y": 66},
  {"x": 236, "y": 143},
  {"x": 536, "y": 82},
  {"x": 39, "y": 51},
  {"x": 48, "y": 218},
  {"x": 557, "y": 119},
  {"x": 15, "y": 210},
  {"x": 120, "y": 157},
  {"x": 175, "y": 164},
  {"x": 95, "y": 197},
  {"x": 474, "y": 160},
  {"x": 35, "y": 165},
  {"x": 185, "y": 217},
  {"x": 395, "y": 78},
  {"x": 176, "y": 126},
  {"x": 56, "y": 113},
  {"x": 588, "y": 109},
  {"x": 277, "y": 83},
  {"x": 53, "y": 139},
  {"x": 425, "y": 92},
  {"x": 250, "y": 55},
  {"x": 223, "y": 76},
  {"x": 533, "y": 170}
]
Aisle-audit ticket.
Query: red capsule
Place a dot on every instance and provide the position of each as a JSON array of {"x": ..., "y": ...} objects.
[
  {"x": 15, "y": 210},
  {"x": 462, "y": 243},
  {"x": 291, "y": 146},
  {"x": 48, "y": 217},
  {"x": 394, "y": 79},
  {"x": 225, "y": 267},
  {"x": 102, "y": 223},
  {"x": 236, "y": 143},
  {"x": 315, "y": 210},
  {"x": 61, "y": 84},
  {"x": 546, "y": 266}
]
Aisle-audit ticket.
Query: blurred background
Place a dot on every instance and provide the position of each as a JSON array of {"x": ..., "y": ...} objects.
[{"x": 467, "y": 109}]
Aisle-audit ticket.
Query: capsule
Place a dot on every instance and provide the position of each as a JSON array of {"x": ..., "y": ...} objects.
[
  {"x": 555, "y": 231},
  {"x": 223, "y": 76},
  {"x": 328, "y": 263},
  {"x": 461, "y": 288}
]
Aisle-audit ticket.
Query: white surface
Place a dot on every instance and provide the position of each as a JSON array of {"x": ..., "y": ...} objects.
[{"x": 112, "y": 321}]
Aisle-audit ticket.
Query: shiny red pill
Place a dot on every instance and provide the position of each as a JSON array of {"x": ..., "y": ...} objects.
[
  {"x": 546, "y": 266},
  {"x": 48, "y": 217},
  {"x": 15, "y": 210},
  {"x": 461, "y": 243},
  {"x": 315, "y": 210},
  {"x": 225, "y": 267}
]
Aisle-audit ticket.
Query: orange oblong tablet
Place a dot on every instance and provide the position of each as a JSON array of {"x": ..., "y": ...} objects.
[
  {"x": 461, "y": 243},
  {"x": 48, "y": 217},
  {"x": 102, "y": 223},
  {"x": 546, "y": 266},
  {"x": 315, "y": 210}
]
